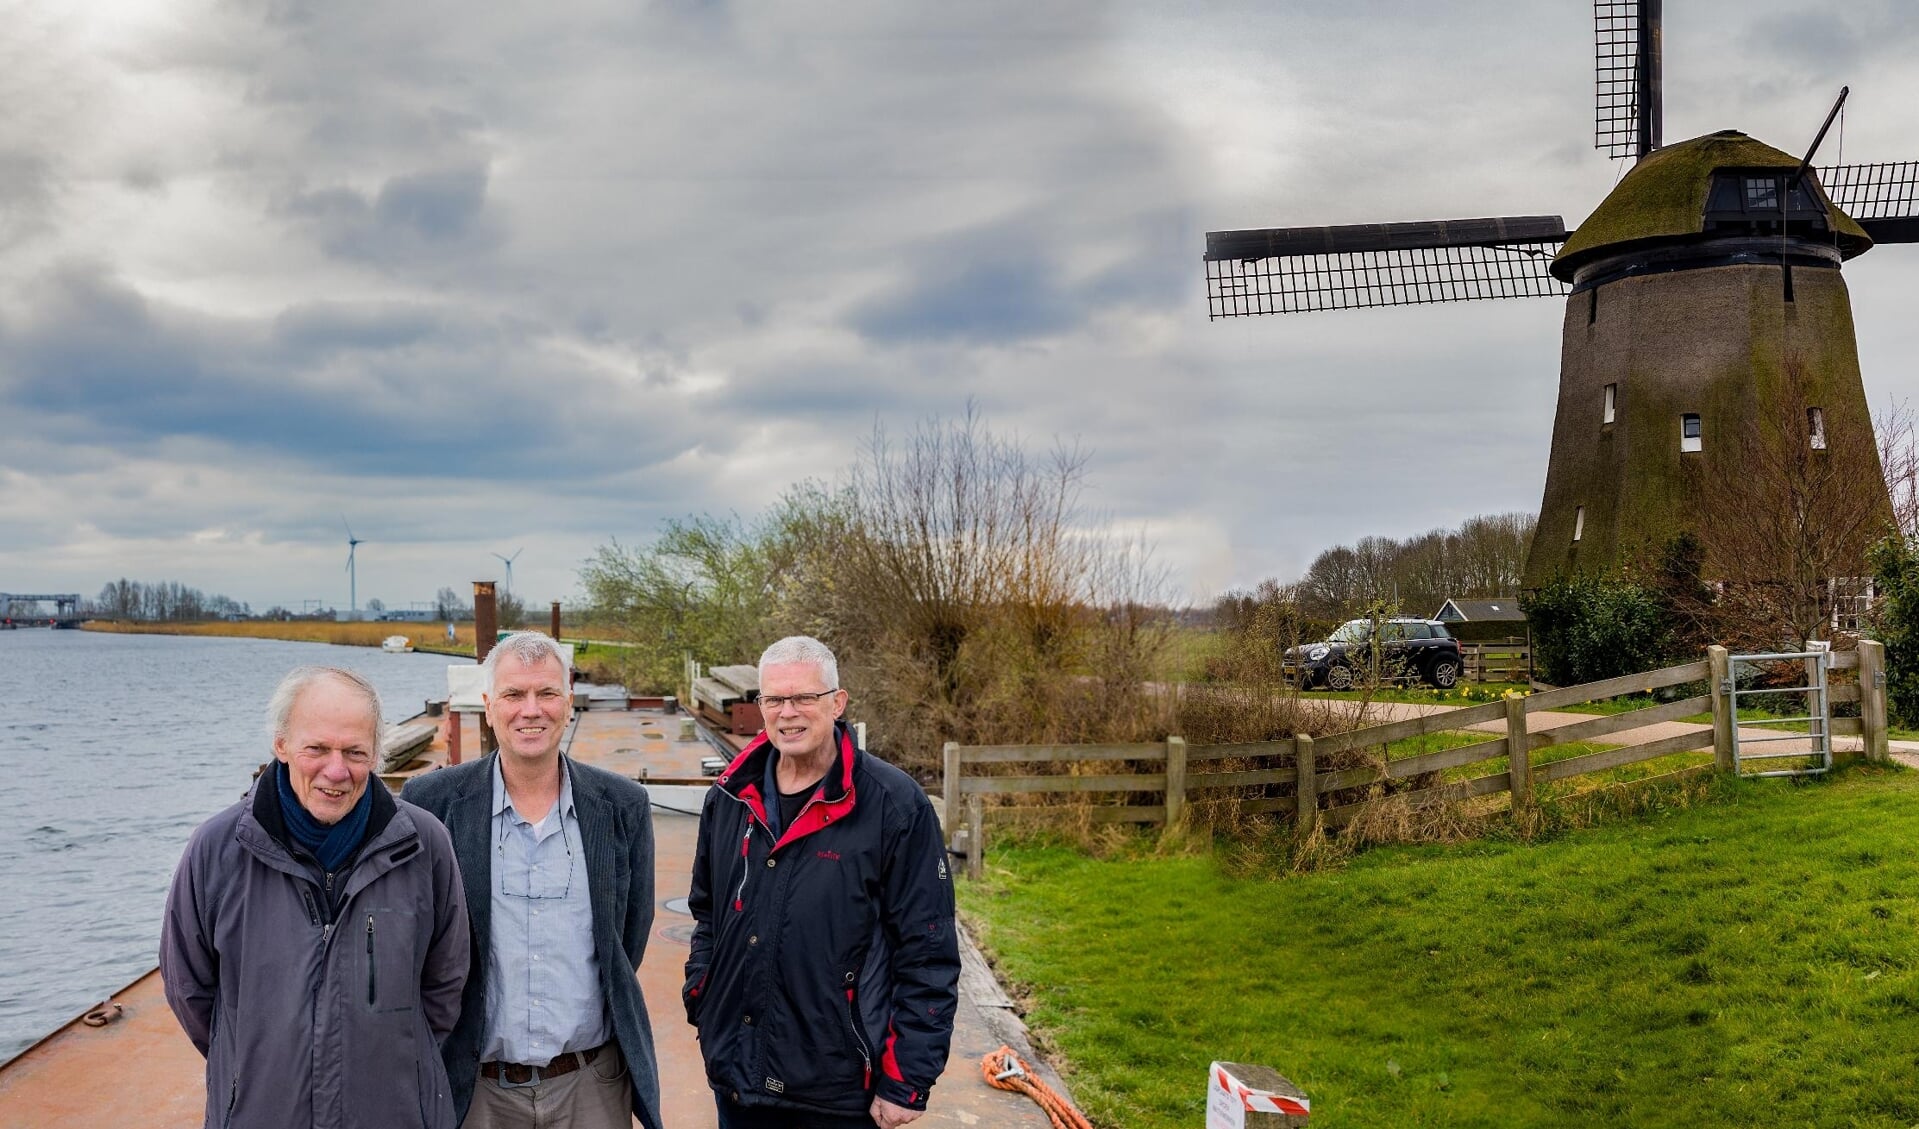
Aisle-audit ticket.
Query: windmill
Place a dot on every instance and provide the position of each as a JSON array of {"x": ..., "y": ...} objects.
[
  {"x": 1711, "y": 266},
  {"x": 508, "y": 561},
  {"x": 352, "y": 572}
]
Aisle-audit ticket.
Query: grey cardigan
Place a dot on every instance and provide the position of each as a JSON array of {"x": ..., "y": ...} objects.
[
  {"x": 616, "y": 833},
  {"x": 303, "y": 1023}
]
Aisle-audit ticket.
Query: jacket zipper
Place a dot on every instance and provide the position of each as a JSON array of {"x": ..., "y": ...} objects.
[
  {"x": 746, "y": 866},
  {"x": 853, "y": 1024},
  {"x": 370, "y": 997}
]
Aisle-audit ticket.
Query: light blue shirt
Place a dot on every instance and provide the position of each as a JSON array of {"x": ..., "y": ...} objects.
[{"x": 542, "y": 979}]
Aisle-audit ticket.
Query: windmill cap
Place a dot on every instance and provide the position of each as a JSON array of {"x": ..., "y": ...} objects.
[{"x": 1663, "y": 199}]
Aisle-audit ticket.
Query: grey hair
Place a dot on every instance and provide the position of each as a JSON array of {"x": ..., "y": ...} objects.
[
  {"x": 531, "y": 647},
  {"x": 804, "y": 649},
  {"x": 287, "y": 694}
]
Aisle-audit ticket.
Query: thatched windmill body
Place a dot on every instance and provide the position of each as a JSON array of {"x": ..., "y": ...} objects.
[{"x": 1703, "y": 295}]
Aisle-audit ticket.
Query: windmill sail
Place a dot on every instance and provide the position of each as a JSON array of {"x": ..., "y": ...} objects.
[
  {"x": 1884, "y": 198},
  {"x": 1626, "y": 77},
  {"x": 1298, "y": 269}
]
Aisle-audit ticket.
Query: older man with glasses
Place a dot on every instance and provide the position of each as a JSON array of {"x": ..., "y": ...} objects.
[
  {"x": 557, "y": 859},
  {"x": 825, "y": 968}
]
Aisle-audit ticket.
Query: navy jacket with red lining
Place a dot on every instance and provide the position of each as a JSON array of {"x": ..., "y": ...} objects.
[{"x": 824, "y": 966}]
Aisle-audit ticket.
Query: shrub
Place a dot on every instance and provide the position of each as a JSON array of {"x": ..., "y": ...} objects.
[
  {"x": 1589, "y": 627},
  {"x": 1895, "y": 622}
]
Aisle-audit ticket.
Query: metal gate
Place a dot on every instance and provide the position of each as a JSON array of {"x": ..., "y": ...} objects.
[{"x": 1815, "y": 753}]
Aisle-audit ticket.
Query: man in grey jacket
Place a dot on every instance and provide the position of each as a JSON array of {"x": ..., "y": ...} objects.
[
  {"x": 557, "y": 858},
  {"x": 315, "y": 941}
]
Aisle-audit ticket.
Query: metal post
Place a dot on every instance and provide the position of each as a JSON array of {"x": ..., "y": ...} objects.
[
  {"x": 1719, "y": 674},
  {"x": 555, "y": 633},
  {"x": 453, "y": 727}
]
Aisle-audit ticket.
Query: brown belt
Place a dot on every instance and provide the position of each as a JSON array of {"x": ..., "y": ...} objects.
[{"x": 516, "y": 1074}]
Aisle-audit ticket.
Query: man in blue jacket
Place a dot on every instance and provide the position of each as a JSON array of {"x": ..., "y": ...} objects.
[
  {"x": 557, "y": 858},
  {"x": 825, "y": 966}
]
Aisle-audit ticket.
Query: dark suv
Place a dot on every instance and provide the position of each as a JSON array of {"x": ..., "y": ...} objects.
[{"x": 1408, "y": 648}]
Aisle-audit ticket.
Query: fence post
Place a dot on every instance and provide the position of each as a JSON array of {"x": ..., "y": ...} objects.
[
  {"x": 975, "y": 837},
  {"x": 1872, "y": 699},
  {"x": 1719, "y": 674},
  {"x": 1175, "y": 780},
  {"x": 1307, "y": 815},
  {"x": 1519, "y": 753},
  {"x": 950, "y": 788}
]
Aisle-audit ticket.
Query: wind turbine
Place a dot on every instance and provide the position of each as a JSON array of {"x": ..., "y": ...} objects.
[
  {"x": 509, "y": 567},
  {"x": 352, "y": 573}
]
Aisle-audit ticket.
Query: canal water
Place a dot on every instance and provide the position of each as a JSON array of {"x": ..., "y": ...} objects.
[{"x": 113, "y": 748}]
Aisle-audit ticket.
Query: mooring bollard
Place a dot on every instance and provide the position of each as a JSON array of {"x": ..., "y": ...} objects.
[{"x": 1241, "y": 1095}]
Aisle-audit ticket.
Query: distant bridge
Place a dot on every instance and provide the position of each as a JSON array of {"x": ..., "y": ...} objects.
[{"x": 66, "y": 608}]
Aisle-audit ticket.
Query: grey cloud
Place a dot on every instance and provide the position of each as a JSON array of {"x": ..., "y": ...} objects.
[{"x": 419, "y": 214}]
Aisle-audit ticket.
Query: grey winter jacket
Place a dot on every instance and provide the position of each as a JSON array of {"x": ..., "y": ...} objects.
[{"x": 305, "y": 1023}]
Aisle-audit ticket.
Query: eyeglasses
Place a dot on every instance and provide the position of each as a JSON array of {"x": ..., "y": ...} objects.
[
  {"x": 519, "y": 883},
  {"x": 773, "y": 703}
]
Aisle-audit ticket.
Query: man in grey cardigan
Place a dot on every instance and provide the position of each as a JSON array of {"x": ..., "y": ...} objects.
[
  {"x": 315, "y": 940},
  {"x": 557, "y": 858}
]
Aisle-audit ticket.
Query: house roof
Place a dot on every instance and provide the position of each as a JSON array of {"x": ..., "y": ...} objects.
[{"x": 1498, "y": 609}]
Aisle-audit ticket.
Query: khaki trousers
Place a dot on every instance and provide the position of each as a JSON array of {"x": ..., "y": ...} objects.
[{"x": 599, "y": 1095}]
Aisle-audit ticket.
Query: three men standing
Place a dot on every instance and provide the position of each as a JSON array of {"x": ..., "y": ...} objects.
[
  {"x": 315, "y": 940},
  {"x": 825, "y": 964},
  {"x": 557, "y": 859}
]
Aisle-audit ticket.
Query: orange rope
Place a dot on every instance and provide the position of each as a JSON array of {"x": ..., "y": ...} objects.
[{"x": 1007, "y": 1071}]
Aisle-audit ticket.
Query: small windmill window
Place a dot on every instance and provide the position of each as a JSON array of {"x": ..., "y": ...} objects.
[
  {"x": 1579, "y": 522},
  {"x": 1816, "y": 427},
  {"x": 1612, "y": 401},
  {"x": 1762, "y": 194},
  {"x": 1689, "y": 432}
]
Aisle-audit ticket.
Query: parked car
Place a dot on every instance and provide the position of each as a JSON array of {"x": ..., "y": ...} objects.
[{"x": 1411, "y": 649}]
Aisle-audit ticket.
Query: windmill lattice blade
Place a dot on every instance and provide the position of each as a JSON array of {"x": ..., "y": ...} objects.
[
  {"x": 1873, "y": 192},
  {"x": 1293, "y": 270},
  {"x": 1616, "y": 77}
]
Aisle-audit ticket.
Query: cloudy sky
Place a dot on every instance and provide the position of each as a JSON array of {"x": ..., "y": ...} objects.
[{"x": 482, "y": 277}]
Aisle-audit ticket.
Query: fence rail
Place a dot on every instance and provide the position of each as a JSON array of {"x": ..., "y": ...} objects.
[{"x": 1178, "y": 772}]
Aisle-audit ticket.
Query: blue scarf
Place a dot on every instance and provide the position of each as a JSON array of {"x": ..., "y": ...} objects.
[{"x": 334, "y": 844}]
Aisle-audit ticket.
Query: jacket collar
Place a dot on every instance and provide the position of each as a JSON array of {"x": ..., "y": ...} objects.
[{"x": 835, "y": 799}]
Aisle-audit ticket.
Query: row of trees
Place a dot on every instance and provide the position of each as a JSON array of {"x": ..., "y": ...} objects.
[
  {"x": 1484, "y": 557},
  {"x": 165, "y": 601},
  {"x": 955, "y": 574}
]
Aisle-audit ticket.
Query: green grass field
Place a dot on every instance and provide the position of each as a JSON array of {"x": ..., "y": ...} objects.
[{"x": 1752, "y": 960}]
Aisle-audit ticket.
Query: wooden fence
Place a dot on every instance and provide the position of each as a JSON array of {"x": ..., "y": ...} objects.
[
  {"x": 1509, "y": 660},
  {"x": 1173, "y": 771}
]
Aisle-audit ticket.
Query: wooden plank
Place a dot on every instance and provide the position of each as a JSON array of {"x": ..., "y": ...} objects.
[
  {"x": 1001, "y": 785},
  {"x": 1175, "y": 779},
  {"x": 1306, "y": 789},
  {"x": 1425, "y": 797},
  {"x": 1351, "y": 778},
  {"x": 1616, "y": 758},
  {"x": 1613, "y": 687},
  {"x": 1411, "y": 727},
  {"x": 1844, "y": 660},
  {"x": 1005, "y": 754},
  {"x": 1054, "y": 814},
  {"x": 1285, "y": 804},
  {"x": 1446, "y": 758},
  {"x": 1837, "y": 692},
  {"x": 1845, "y": 727},
  {"x": 1249, "y": 750},
  {"x": 949, "y": 787},
  {"x": 1519, "y": 765},
  {"x": 1719, "y": 685},
  {"x": 1249, "y": 779},
  {"x": 745, "y": 679},
  {"x": 1621, "y": 722},
  {"x": 1872, "y": 710}
]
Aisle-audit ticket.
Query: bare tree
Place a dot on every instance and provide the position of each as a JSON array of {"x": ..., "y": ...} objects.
[
  {"x": 1899, "y": 459},
  {"x": 1809, "y": 500}
]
